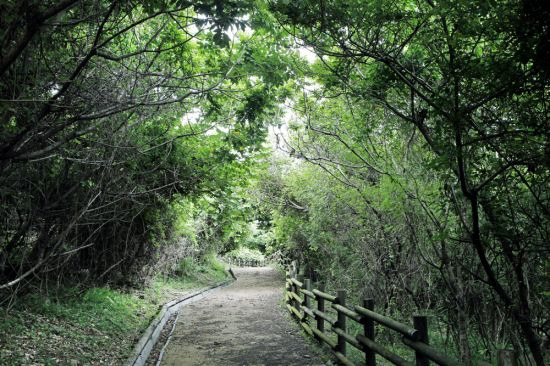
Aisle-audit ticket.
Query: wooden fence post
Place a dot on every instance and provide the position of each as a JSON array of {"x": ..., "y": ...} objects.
[
  {"x": 420, "y": 323},
  {"x": 294, "y": 289},
  {"x": 307, "y": 300},
  {"x": 506, "y": 357},
  {"x": 321, "y": 308},
  {"x": 368, "y": 328},
  {"x": 288, "y": 288},
  {"x": 341, "y": 300},
  {"x": 298, "y": 305}
]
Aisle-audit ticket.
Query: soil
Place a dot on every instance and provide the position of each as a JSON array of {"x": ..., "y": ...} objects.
[
  {"x": 241, "y": 324},
  {"x": 161, "y": 341}
]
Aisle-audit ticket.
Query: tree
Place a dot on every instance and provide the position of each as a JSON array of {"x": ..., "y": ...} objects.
[
  {"x": 466, "y": 77},
  {"x": 111, "y": 111}
]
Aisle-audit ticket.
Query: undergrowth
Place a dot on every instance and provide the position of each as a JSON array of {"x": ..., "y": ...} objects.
[
  {"x": 245, "y": 253},
  {"x": 96, "y": 326}
]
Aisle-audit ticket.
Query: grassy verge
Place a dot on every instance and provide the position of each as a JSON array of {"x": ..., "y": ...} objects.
[{"x": 96, "y": 327}]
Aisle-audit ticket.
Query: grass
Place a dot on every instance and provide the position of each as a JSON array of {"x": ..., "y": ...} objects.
[{"x": 98, "y": 326}]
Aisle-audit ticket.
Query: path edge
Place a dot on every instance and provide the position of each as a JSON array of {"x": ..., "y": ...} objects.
[{"x": 143, "y": 347}]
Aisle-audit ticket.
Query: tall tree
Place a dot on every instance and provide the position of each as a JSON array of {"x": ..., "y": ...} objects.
[{"x": 468, "y": 77}]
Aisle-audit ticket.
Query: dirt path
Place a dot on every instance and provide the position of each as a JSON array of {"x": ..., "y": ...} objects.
[{"x": 242, "y": 324}]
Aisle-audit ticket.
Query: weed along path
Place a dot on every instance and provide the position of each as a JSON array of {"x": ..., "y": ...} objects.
[{"x": 241, "y": 324}]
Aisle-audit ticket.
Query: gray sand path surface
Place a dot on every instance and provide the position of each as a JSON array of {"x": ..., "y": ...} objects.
[{"x": 241, "y": 324}]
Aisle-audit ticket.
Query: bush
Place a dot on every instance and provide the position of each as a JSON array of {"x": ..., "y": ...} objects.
[{"x": 246, "y": 254}]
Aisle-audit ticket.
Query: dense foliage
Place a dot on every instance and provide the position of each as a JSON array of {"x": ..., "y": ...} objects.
[
  {"x": 427, "y": 126},
  {"x": 417, "y": 149},
  {"x": 111, "y": 113}
]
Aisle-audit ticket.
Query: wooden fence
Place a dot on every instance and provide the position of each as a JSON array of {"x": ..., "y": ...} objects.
[{"x": 317, "y": 322}]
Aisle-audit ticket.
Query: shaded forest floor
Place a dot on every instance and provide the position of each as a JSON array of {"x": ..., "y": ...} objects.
[{"x": 98, "y": 326}]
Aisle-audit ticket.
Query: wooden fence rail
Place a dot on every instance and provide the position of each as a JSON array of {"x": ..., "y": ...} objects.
[{"x": 299, "y": 296}]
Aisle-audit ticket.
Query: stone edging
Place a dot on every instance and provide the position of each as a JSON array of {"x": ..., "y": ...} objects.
[{"x": 146, "y": 343}]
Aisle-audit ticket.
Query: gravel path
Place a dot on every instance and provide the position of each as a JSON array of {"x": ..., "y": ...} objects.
[{"x": 241, "y": 324}]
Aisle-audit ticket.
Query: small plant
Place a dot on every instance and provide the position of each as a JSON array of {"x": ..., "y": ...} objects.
[{"x": 187, "y": 267}]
